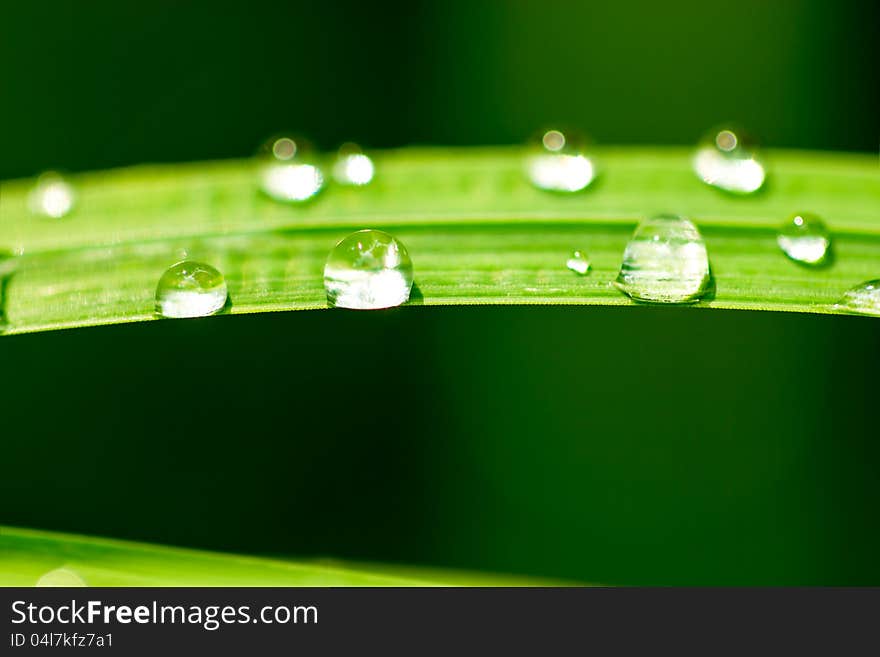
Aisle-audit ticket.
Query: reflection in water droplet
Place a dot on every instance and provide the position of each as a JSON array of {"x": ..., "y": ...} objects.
[
  {"x": 63, "y": 577},
  {"x": 190, "y": 289},
  {"x": 352, "y": 166},
  {"x": 559, "y": 162},
  {"x": 288, "y": 170},
  {"x": 805, "y": 238},
  {"x": 578, "y": 263},
  {"x": 52, "y": 196},
  {"x": 368, "y": 270},
  {"x": 665, "y": 261},
  {"x": 727, "y": 159},
  {"x": 863, "y": 299}
]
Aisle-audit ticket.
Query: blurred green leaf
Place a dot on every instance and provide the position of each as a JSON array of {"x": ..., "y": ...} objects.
[{"x": 27, "y": 555}]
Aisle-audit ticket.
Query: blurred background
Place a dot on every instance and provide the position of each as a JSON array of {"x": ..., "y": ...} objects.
[
  {"x": 90, "y": 85},
  {"x": 616, "y": 445}
]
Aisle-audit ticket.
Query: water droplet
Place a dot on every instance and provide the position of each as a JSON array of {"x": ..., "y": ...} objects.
[
  {"x": 63, "y": 577},
  {"x": 727, "y": 159},
  {"x": 665, "y": 261},
  {"x": 8, "y": 264},
  {"x": 288, "y": 170},
  {"x": 52, "y": 196},
  {"x": 190, "y": 289},
  {"x": 805, "y": 238},
  {"x": 863, "y": 299},
  {"x": 368, "y": 270},
  {"x": 559, "y": 162},
  {"x": 352, "y": 166},
  {"x": 578, "y": 263}
]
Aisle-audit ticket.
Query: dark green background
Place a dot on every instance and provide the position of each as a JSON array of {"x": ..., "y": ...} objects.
[
  {"x": 104, "y": 83},
  {"x": 621, "y": 445}
]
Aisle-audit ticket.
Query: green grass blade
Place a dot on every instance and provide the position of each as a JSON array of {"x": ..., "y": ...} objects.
[
  {"x": 477, "y": 233},
  {"x": 27, "y": 555}
]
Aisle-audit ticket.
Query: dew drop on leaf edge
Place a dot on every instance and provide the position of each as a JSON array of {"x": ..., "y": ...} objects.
[
  {"x": 727, "y": 159},
  {"x": 288, "y": 170},
  {"x": 665, "y": 261},
  {"x": 559, "y": 161},
  {"x": 190, "y": 289},
  {"x": 368, "y": 270},
  {"x": 352, "y": 166},
  {"x": 52, "y": 196},
  {"x": 862, "y": 299}
]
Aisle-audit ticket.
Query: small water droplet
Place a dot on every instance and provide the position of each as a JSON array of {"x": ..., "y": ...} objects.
[
  {"x": 52, "y": 196},
  {"x": 559, "y": 161},
  {"x": 62, "y": 577},
  {"x": 805, "y": 239},
  {"x": 665, "y": 261},
  {"x": 578, "y": 263},
  {"x": 190, "y": 289},
  {"x": 352, "y": 166},
  {"x": 368, "y": 270},
  {"x": 288, "y": 170},
  {"x": 728, "y": 159},
  {"x": 863, "y": 299}
]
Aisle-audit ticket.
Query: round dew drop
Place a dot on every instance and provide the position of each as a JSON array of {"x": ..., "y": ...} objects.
[
  {"x": 558, "y": 161},
  {"x": 352, "y": 166},
  {"x": 728, "y": 160},
  {"x": 61, "y": 577},
  {"x": 805, "y": 239},
  {"x": 288, "y": 171},
  {"x": 52, "y": 196},
  {"x": 368, "y": 270},
  {"x": 578, "y": 263},
  {"x": 190, "y": 289},
  {"x": 665, "y": 261}
]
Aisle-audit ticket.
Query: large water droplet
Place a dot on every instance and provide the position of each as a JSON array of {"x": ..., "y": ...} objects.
[
  {"x": 352, "y": 166},
  {"x": 805, "y": 238},
  {"x": 288, "y": 170},
  {"x": 53, "y": 196},
  {"x": 367, "y": 270},
  {"x": 727, "y": 159},
  {"x": 578, "y": 263},
  {"x": 863, "y": 299},
  {"x": 63, "y": 577},
  {"x": 190, "y": 289},
  {"x": 665, "y": 261},
  {"x": 559, "y": 162}
]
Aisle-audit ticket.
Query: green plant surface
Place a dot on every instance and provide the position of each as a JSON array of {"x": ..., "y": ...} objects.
[
  {"x": 26, "y": 555},
  {"x": 477, "y": 232}
]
